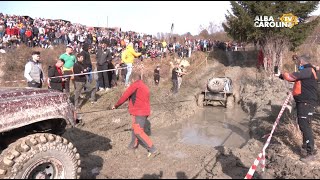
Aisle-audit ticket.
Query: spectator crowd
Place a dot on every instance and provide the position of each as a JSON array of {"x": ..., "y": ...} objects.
[
  {"x": 113, "y": 49},
  {"x": 48, "y": 33}
]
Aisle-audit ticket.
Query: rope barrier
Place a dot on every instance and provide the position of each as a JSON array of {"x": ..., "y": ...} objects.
[
  {"x": 153, "y": 104},
  {"x": 262, "y": 156},
  {"x": 198, "y": 65},
  {"x": 79, "y": 74}
]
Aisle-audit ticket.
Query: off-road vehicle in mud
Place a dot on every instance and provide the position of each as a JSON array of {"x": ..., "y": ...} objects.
[
  {"x": 31, "y": 122},
  {"x": 218, "y": 92}
]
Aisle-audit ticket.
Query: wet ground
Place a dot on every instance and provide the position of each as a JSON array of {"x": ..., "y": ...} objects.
[
  {"x": 193, "y": 142},
  {"x": 185, "y": 145},
  {"x": 214, "y": 126},
  {"x": 206, "y": 143}
]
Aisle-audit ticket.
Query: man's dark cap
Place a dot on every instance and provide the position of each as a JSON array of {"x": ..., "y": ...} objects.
[{"x": 35, "y": 52}]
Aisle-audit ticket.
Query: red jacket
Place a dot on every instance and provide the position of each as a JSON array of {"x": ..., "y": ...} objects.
[
  {"x": 28, "y": 33},
  {"x": 9, "y": 31},
  {"x": 139, "y": 99},
  {"x": 15, "y": 31}
]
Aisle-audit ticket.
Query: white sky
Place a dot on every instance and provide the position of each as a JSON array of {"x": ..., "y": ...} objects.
[{"x": 147, "y": 17}]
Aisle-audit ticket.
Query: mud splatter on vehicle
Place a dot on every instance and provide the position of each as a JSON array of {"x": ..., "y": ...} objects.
[{"x": 31, "y": 122}]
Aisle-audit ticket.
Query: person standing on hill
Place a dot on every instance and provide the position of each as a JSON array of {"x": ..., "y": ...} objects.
[
  {"x": 104, "y": 57},
  {"x": 180, "y": 74},
  {"x": 128, "y": 57},
  {"x": 33, "y": 71},
  {"x": 306, "y": 98},
  {"x": 69, "y": 60},
  {"x": 81, "y": 81},
  {"x": 174, "y": 78},
  {"x": 56, "y": 83},
  {"x": 157, "y": 75},
  {"x": 87, "y": 61}
]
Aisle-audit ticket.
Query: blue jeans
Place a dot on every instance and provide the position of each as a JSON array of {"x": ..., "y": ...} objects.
[{"x": 129, "y": 70}]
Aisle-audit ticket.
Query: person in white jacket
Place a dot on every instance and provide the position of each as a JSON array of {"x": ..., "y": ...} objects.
[{"x": 33, "y": 71}]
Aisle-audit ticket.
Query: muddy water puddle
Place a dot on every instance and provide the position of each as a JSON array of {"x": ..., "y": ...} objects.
[{"x": 213, "y": 126}]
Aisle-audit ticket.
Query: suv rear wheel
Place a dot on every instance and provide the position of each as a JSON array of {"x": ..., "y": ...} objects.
[{"x": 40, "y": 156}]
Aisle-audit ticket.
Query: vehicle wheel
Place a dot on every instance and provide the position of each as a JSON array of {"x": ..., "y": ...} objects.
[
  {"x": 216, "y": 85},
  {"x": 230, "y": 102},
  {"x": 200, "y": 100},
  {"x": 40, "y": 156}
]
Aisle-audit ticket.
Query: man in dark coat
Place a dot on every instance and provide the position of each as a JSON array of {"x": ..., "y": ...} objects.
[
  {"x": 53, "y": 71},
  {"x": 87, "y": 64},
  {"x": 157, "y": 75},
  {"x": 104, "y": 57}
]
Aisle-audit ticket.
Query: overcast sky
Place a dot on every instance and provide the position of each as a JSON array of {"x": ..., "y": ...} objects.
[{"x": 147, "y": 17}]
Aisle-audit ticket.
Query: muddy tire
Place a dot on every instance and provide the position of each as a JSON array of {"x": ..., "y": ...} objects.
[
  {"x": 230, "y": 102},
  {"x": 200, "y": 100},
  {"x": 216, "y": 85},
  {"x": 40, "y": 156}
]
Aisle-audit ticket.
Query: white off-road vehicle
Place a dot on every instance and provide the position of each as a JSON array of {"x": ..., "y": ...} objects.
[{"x": 218, "y": 92}]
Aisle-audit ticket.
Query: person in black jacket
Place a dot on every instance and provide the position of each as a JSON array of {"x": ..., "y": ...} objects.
[
  {"x": 87, "y": 60},
  {"x": 305, "y": 96},
  {"x": 53, "y": 71},
  {"x": 174, "y": 78},
  {"x": 104, "y": 57},
  {"x": 81, "y": 82},
  {"x": 157, "y": 75}
]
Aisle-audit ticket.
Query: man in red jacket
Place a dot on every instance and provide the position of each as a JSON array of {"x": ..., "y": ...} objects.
[{"x": 139, "y": 109}]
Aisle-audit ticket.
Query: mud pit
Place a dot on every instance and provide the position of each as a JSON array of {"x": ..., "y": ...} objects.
[
  {"x": 194, "y": 142},
  {"x": 213, "y": 126},
  {"x": 184, "y": 147}
]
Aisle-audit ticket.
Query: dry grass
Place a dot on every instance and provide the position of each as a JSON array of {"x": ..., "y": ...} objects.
[
  {"x": 294, "y": 132},
  {"x": 313, "y": 50},
  {"x": 16, "y": 60},
  {"x": 14, "y": 63}
]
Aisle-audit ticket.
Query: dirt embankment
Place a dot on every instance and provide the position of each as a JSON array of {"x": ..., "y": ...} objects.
[{"x": 262, "y": 98}]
